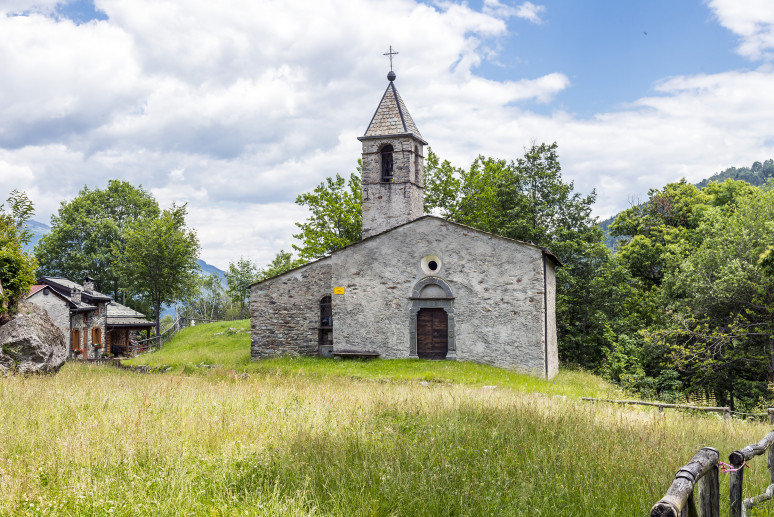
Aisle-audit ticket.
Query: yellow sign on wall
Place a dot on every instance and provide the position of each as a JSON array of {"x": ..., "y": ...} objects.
[{"x": 338, "y": 290}]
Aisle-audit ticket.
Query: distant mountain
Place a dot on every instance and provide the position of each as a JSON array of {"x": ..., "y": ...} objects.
[
  {"x": 209, "y": 269},
  {"x": 757, "y": 174},
  {"x": 39, "y": 229},
  {"x": 609, "y": 239}
]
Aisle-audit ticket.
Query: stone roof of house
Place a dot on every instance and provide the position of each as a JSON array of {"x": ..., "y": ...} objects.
[
  {"x": 118, "y": 314},
  {"x": 63, "y": 287},
  {"x": 69, "y": 284},
  {"x": 391, "y": 117}
]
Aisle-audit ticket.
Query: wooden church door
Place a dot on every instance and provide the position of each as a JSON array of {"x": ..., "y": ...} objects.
[{"x": 432, "y": 334}]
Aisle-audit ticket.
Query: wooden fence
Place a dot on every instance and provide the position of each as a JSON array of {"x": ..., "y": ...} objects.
[
  {"x": 702, "y": 471},
  {"x": 726, "y": 411},
  {"x": 156, "y": 342},
  {"x": 737, "y": 459},
  {"x": 680, "y": 500}
]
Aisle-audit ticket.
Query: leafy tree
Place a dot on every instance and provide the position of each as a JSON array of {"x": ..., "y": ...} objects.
[
  {"x": 719, "y": 328},
  {"x": 282, "y": 262},
  {"x": 442, "y": 186},
  {"x": 207, "y": 300},
  {"x": 528, "y": 200},
  {"x": 241, "y": 274},
  {"x": 17, "y": 268},
  {"x": 336, "y": 217},
  {"x": 86, "y": 230},
  {"x": 157, "y": 258}
]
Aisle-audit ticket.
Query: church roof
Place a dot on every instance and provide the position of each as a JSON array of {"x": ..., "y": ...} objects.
[
  {"x": 544, "y": 251},
  {"x": 391, "y": 117}
]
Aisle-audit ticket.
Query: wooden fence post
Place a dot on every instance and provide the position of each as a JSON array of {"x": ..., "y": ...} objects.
[
  {"x": 727, "y": 414},
  {"x": 735, "y": 493},
  {"x": 709, "y": 492},
  {"x": 771, "y": 462},
  {"x": 770, "y": 411},
  {"x": 680, "y": 501}
]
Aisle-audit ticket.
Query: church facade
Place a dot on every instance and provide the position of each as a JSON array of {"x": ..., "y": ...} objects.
[{"x": 416, "y": 286}]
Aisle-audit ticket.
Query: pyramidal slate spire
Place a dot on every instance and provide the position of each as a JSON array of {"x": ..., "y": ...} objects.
[{"x": 392, "y": 117}]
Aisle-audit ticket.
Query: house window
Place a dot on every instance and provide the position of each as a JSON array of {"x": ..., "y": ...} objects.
[
  {"x": 96, "y": 336},
  {"x": 387, "y": 163},
  {"x": 76, "y": 340}
]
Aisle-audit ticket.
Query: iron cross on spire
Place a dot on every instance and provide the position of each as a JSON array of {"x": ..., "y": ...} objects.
[{"x": 391, "y": 53}]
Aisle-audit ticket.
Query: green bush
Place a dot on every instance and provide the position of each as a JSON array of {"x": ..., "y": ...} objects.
[{"x": 17, "y": 268}]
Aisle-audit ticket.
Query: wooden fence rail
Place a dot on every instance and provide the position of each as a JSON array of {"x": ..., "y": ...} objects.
[
  {"x": 726, "y": 411},
  {"x": 737, "y": 459},
  {"x": 679, "y": 499},
  {"x": 156, "y": 342}
]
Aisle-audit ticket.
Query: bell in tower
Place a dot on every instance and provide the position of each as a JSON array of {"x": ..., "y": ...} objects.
[{"x": 393, "y": 164}]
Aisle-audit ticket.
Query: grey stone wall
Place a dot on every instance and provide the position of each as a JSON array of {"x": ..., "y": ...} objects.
[
  {"x": 98, "y": 319},
  {"x": 285, "y": 311},
  {"x": 56, "y": 308},
  {"x": 553, "y": 348},
  {"x": 497, "y": 286},
  {"x": 86, "y": 324},
  {"x": 59, "y": 312},
  {"x": 497, "y": 308},
  {"x": 386, "y": 205}
]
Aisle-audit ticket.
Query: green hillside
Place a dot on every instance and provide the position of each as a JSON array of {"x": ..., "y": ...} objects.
[{"x": 215, "y": 348}]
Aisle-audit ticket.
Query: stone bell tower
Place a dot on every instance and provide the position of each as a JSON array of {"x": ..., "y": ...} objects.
[{"x": 393, "y": 164}]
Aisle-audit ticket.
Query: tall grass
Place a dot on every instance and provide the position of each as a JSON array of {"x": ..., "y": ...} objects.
[{"x": 102, "y": 441}]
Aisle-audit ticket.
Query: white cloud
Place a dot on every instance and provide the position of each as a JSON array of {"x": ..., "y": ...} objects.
[
  {"x": 752, "y": 21},
  {"x": 237, "y": 107},
  {"x": 526, "y": 10}
]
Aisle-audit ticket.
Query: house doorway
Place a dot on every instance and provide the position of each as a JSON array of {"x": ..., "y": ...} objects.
[{"x": 432, "y": 333}]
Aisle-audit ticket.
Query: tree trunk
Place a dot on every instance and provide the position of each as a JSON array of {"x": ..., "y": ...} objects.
[
  {"x": 158, "y": 325},
  {"x": 3, "y": 304},
  {"x": 771, "y": 357}
]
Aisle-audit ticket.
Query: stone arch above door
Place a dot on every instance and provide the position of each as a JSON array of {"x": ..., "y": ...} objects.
[{"x": 427, "y": 295}]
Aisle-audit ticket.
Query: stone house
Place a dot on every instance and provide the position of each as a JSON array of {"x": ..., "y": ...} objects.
[
  {"x": 93, "y": 324},
  {"x": 416, "y": 286}
]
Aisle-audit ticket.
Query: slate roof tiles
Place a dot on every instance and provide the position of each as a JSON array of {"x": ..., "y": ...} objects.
[{"x": 391, "y": 117}]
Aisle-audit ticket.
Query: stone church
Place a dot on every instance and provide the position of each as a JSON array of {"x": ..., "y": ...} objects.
[{"x": 416, "y": 286}]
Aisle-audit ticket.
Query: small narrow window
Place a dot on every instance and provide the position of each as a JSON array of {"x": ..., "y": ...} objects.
[
  {"x": 326, "y": 312},
  {"x": 417, "y": 165},
  {"x": 76, "y": 340},
  {"x": 387, "y": 163}
]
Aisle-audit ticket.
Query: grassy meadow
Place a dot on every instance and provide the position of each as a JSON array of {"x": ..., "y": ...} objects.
[{"x": 339, "y": 438}]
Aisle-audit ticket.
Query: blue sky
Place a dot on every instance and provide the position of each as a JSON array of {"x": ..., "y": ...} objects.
[
  {"x": 614, "y": 51},
  {"x": 237, "y": 107}
]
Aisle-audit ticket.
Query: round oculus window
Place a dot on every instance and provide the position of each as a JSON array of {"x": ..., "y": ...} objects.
[{"x": 431, "y": 265}]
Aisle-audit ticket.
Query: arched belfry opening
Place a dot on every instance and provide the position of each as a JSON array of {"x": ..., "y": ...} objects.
[
  {"x": 387, "y": 163},
  {"x": 432, "y": 323}
]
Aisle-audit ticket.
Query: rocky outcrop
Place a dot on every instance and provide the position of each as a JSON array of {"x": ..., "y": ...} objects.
[{"x": 31, "y": 343}]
